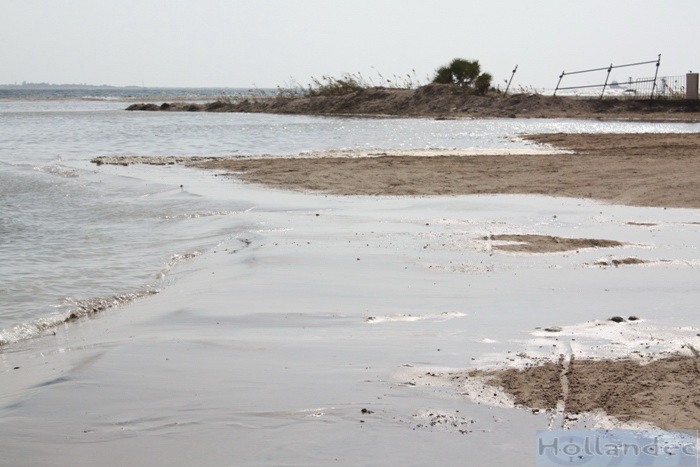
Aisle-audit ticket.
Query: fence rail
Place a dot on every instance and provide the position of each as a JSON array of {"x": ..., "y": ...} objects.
[{"x": 667, "y": 87}]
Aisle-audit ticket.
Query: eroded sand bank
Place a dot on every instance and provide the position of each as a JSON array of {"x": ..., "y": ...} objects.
[{"x": 662, "y": 392}]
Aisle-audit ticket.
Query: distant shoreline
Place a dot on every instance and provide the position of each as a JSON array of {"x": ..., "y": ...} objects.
[
  {"x": 446, "y": 101},
  {"x": 143, "y": 94},
  {"x": 41, "y": 86}
]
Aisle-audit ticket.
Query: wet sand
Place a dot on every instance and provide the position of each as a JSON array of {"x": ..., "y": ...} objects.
[
  {"x": 545, "y": 243},
  {"x": 629, "y": 376},
  {"x": 636, "y": 169},
  {"x": 663, "y": 392},
  {"x": 344, "y": 329}
]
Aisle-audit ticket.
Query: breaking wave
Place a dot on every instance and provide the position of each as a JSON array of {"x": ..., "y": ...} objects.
[{"x": 77, "y": 309}]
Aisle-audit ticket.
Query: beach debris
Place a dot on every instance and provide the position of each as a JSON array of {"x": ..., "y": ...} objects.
[
  {"x": 366, "y": 411},
  {"x": 606, "y": 262},
  {"x": 643, "y": 224},
  {"x": 444, "y": 421},
  {"x": 553, "y": 329}
]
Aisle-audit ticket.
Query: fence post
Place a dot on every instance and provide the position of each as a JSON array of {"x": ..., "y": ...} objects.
[
  {"x": 558, "y": 83},
  {"x": 511, "y": 80},
  {"x": 691, "y": 86},
  {"x": 606, "y": 80},
  {"x": 653, "y": 88}
]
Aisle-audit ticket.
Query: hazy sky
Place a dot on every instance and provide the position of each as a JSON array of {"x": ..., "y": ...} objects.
[{"x": 265, "y": 43}]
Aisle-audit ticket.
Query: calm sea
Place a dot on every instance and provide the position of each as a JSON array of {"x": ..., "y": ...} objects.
[{"x": 75, "y": 239}]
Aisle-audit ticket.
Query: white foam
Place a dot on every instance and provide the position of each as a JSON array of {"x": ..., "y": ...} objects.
[
  {"x": 396, "y": 318},
  {"x": 637, "y": 339},
  {"x": 343, "y": 154},
  {"x": 57, "y": 170},
  {"x": 486, "y": 340},
  {"x": 76, "y": 309}
]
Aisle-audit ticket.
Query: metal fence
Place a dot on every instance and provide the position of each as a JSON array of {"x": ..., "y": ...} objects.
[
  {"x": 639, "y": 88},
  {"x": 667, "y": 87}
]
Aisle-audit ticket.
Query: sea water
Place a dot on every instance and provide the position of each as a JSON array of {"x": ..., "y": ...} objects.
[{"x": 75, "y": 239}]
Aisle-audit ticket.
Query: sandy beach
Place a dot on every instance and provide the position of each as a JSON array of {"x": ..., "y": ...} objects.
[
  {"x": 462, "y": 306},
  {"x": 642, "y": 170}
]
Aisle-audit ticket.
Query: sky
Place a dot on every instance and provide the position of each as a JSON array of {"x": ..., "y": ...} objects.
[{"x": 271, "y": 43}]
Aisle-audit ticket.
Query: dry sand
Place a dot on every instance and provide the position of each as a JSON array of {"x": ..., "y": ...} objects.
[{"x": 634, "y": 169}]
